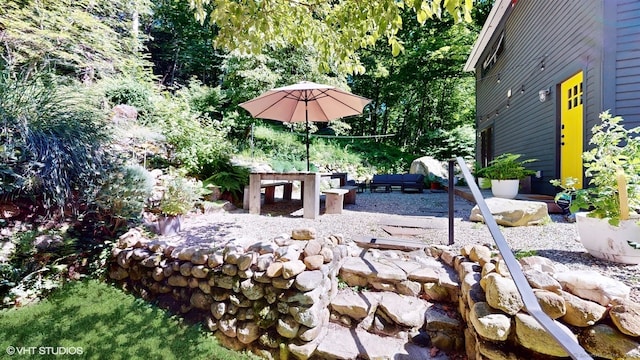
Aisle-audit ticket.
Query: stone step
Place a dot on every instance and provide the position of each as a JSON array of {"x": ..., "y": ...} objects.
[{"x": 345, "y": 343}]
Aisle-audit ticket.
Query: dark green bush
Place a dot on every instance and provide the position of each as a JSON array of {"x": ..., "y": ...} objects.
[
  {"x": 129, "y": 91},
  {"x": 54, "y": 149}
]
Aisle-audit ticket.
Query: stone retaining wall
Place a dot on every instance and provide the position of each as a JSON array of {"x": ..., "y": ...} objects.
[
  {"x": 253, "y": 297},
  {"x": 591, "y": 307},
  {"x": 282, "y": 297}
]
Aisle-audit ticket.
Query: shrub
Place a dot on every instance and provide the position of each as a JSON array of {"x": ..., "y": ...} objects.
[
  {"x": 55, "y": 147},
  {"x": 122, "y": 197},
  {"x": 197, "y": 140}
]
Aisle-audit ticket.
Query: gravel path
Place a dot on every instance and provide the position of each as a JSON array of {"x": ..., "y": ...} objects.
[{"x": 557, "y": 240}]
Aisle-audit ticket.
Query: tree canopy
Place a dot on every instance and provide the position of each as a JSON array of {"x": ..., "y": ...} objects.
[{"x": 337, "y": 29}]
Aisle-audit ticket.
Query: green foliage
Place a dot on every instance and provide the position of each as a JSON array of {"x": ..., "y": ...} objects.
[
  {"x": 198, "y": 141},
  {"x": 519, "y": 254},
  {"x": 230, "y": 178},
  {"x": 179, "y": 195},
  {"x": 32, "y": 273},
  {"x": 84, "y": 39},
  {"x": 94, "y": 316},
  {"x": 615, "y": 153},
  {"x": 128, "y": 90},
  {"x": 122, "y": 196},
  {"x": 445, "y": 144},
  {"x": 330, "y": 27},
  {"x": 181, "y": 46},
  {"x": 508, "y": 167},
  {"x": 55, "y": 147}
]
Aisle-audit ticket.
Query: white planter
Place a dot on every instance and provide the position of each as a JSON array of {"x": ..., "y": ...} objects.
[
  {"x": 609, "y": 242},
  {"x": 507, "y": 189}
]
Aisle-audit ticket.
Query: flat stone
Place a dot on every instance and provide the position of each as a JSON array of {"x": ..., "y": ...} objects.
[
  {"x": 508, "y": 212},
  {"x": 356, "y": 305},
  {"x": 594, "y": 286},
  {"x": 626, "y": 317},
  {"x": 309, "y": 280},
  {"x": 372, "y": 268},
  {"x": 404, "y": 310},
  {"x": 344, "y": 343},
  {"x": 538, "y": 279},
  {"x": 313, "y": 247},
  {"x": 303, "y": 234}
]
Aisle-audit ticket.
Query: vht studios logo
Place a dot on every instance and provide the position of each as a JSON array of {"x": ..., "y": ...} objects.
[{"x": 44, "y": 350}]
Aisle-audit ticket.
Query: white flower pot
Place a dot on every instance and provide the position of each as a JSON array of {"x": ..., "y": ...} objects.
[
  {"x": 507, "y": 189},
  {"x": 608, "y": 242}
]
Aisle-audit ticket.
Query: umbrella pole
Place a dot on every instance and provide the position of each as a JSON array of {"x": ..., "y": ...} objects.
[{"x": 306, "y": 117}]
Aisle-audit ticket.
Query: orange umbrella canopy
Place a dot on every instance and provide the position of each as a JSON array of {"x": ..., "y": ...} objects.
[{"x": 303, "y": 102}]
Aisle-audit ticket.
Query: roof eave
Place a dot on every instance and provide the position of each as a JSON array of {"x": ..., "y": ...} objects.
[{"x": 490, "y": 26}]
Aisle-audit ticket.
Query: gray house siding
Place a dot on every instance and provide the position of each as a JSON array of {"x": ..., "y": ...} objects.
[
  {"x": 627, "y": 62},
  {"x": 566, "y": 37}
]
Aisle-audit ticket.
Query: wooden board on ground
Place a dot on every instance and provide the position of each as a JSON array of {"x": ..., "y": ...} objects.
[
  {"x": 400, "y": 231},
  {"x": 388, "y": 243},
  {"x": 426, "y": 222}
]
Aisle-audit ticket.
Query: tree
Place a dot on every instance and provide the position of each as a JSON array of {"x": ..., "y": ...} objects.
[
  {"x": 335, "y": 28},
  {"x": 182, "y": 47},
  {"x": 81, "y": 38}
]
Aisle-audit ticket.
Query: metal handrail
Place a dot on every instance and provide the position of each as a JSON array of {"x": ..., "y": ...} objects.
[{"x": 569, "y": 344}]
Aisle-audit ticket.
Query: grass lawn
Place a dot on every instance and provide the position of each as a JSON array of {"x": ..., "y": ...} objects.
[{"x": 105, "y": 323}]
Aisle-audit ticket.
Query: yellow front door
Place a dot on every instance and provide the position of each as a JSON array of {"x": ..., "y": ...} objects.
[{"x": 571, "y": 129}]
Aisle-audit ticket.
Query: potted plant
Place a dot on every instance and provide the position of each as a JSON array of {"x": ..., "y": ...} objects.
[
  {"x": 173, "y": 197},
  {"x": 609, "y": 226},
  {"x": 480, "y": 173},
  {"x": 505, "y": 172}
]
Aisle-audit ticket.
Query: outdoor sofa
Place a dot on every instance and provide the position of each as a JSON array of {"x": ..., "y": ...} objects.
[{"x": 404, "y": 181}]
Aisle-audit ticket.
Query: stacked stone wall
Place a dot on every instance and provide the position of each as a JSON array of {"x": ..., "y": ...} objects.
[
  {"x": 594, "y": 309},
  {"x": 282, "y": 297},
  {"x": 254, "y": 297}
]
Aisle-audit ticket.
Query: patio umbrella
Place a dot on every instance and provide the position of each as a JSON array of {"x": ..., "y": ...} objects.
[{"x": 305, "y": 101}]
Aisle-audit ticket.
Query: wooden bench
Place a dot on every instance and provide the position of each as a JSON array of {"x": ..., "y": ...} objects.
[
  {"x": 350, "y": 196},
  {"x": 335, "y": 200},
  {"x": 270, "y": 191}
]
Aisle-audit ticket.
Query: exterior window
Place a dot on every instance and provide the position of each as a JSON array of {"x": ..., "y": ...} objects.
[
  {"x": 492, "y": 58},
  {"x": 486, "y": 146}
]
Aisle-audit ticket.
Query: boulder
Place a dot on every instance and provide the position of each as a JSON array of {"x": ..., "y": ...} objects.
[
  {"x": 513, "y": 212},
  {"x": 427, "y": 165},
  {"x": 551, "y": 303}
]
